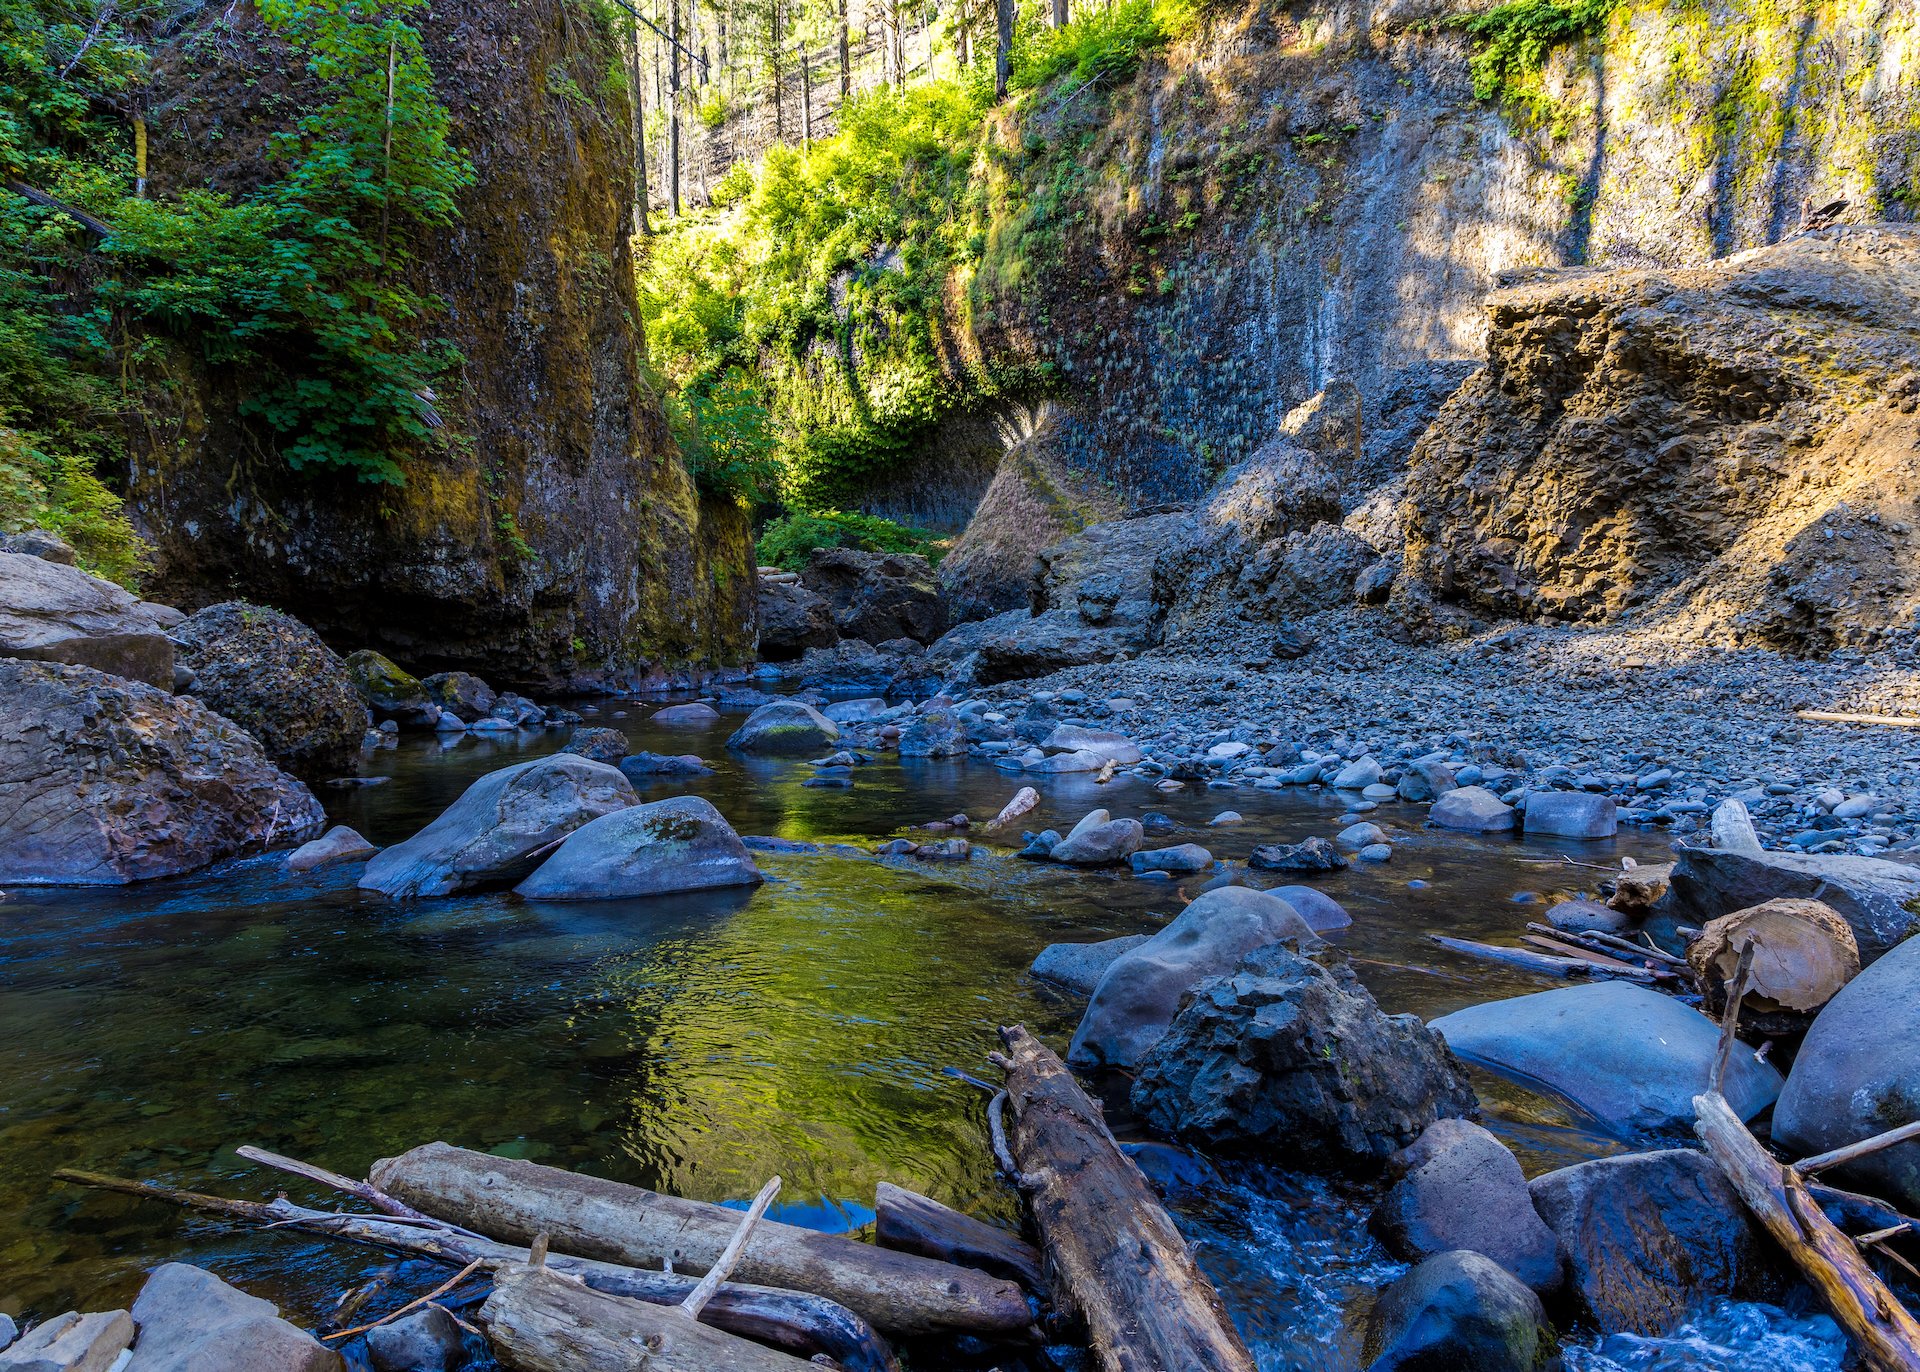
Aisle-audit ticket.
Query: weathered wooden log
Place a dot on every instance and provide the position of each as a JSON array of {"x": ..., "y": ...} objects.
[
  {"x": 912, "y": 1223},
  {"x": 539, "y": 1320},
  {"x": 898, "y": 1293},
  {"x": 1805, "y": 952},
  {"x": 1539, "y": 962},
  {"x": 796, "y": 1321},
  {"x": 1887, "y": 1337},
  {"x": 1117, "y": 1259}
]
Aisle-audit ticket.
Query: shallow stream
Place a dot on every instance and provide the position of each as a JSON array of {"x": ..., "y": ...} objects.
[{"x": 699, "y": 1044}]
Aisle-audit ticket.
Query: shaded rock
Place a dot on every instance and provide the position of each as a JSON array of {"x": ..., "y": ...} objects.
[
  {"x": 500, "y": 828},
  {"x": 1459, "y": 1311},
  {"x": 55, "y": 613},
  {"x": 1321, "y": 911},
  {"x": 1637, "y": 889},
  {"x": 390, "y": 692},
  {"x": 1457, "y": 1186},
  {"x": 1858, "y": 1074},
  {"x": 1102, "y": 743},
  {"x": 1362, "y": 835},
  {"x": 1039, "y": 847},
  {"x": 936, "y": 733},
  {"x": 1472, "y": 809},
  {"x": 861, "y": 711},
  {"x": 1172, "y": 1171},
  {"x": 1878, "y": 897},
  {"x": 785, "y": 728},
  {"x": 945, "y": 850},
  {"x": 1571, "y": 814},
  {"x": 191, "y": 1321},
  {"x": 338, "y": 844},
  {"x": 695, "y": 714},
  {"x": 1580, "y": 916},
  {"x": 1425, "y": 781},
  {"x": 40, "y": 543},
  {"x": 1181, "y": 858},
  {"x": 1079, "y": 966},
  {"x": 426, "y": 1341},
  {"x": 793, "y": 618},
  {"x": 597, "y": 745},
  {"x": 1135, "y": 1000},
  {"x": 645, "y": 765},
  {"x": 1628, "y": 1056},
  {"x": 877, "y": 596},
  {"x": 1100, "y": 845},
  {"x": 71, "y": 1343},
  {"x": 1308, "y": 855},
  {"x": 461, "y": 694},
  {"x": 679, "y": 844},
  {"x": 1290, "y": 1054},
  {"x": 1648, "y": 1236},
  {"x": 1082, "y": 760},
  {"x": 106, "y": 780}
]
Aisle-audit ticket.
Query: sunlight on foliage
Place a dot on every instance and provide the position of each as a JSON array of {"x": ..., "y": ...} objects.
[
  {"x": 786, "y": 541},
  {"x": 1513, "y": 39}
]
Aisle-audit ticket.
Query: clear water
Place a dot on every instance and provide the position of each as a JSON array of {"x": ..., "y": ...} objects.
[{"x": 692, "y": 1044}]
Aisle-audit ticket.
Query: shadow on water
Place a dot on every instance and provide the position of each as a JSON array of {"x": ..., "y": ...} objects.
[{"x": 696, "y": 1044}]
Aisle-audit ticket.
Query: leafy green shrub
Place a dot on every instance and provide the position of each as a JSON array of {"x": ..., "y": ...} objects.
[
  {"x": 1515, "y": 38},
  {"x": 1100, "y": 45},
  {"x": 786, "y": 541},
  {"x": 727, "y": 436}
]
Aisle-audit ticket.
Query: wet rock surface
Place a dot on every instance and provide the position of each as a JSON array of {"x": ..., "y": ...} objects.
[
  {"x": 191, "y": 1321},
  {"x": 680, "y": 844},
  {"x": 1457, "y": 1310},
  {"x": 1457, "y": 1186}
]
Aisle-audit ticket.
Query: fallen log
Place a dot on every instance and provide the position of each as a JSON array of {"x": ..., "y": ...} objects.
[
  {"x": 1118, "y": 1261},
  {"x": 1539, "y": 962},
  {"x": 537, "y": 1320},
  {"x": 802, "y": 1324},
  {"x": 898, "y": 1293},
  {"x": 909, "y": 1222},
  {"x": 1887, "y": 1337}
]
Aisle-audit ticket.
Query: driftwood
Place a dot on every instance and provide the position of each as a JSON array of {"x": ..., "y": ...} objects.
[
  {"x": 898, "y": 1293},
  {"x": 1542, "y": 963},
  {"x": 800, "y": 1323},
  {"x": 729, "y": 1259},
  {"x": 1887, "y": 1337},
  {"x": 333, "y": 1181},
  {"x": 539, "y": 1320},
  {"x": 1599, "y": 941},
  {"x": 1804, "y": 953},
  {"x": 1560, "y": 947},
  {"x": 1118, "y": 1261},
  {"x": 909, "y": 1222}
]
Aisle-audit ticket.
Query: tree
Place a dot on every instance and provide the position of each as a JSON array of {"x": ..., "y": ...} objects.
[
  {"x": 1002, "y": 47},
  {"x": 846, "y": 77}
]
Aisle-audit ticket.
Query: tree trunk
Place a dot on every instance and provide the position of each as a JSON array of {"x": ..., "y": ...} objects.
[
  {"x": 1059, "y": 14},
  {"x": 594, "y": 1218},
  {"x": 1002, "y": 46},
  {"x": 806, "y": 99},
  {"x": 846, "y": 66},
  {"x": 773, "y": 63},
  {"x": 673, "y": 106},
  {"x": 637, "y": 109},
  {"x": 909, "y": 1222},
  {"x": 1117, "y": 1258}
]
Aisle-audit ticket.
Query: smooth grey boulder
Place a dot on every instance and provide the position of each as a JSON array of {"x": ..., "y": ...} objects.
[
  {"x": 428, "y": 1340},
  {"x": 1648, "y": 1236},
  {"x": 1100, "y": 845},
  {"x": 1624, "y": 1054},
  {"x": 43, "y": 543},
  {"x": 597, "y": 744},
  {"x": 500, "y": 828},
  {"x": 1079, "y": 966},
  {"x": 936, "y": 733},
  {"x": 1876, "y": 896},
  {"x": 1580, "y": 916},
  {"x": 1360, "y": 773},
  {"x": 71, "y": 1343},
  {"x": 1571, "y": 814},
  {"x": 1457, "y": 1186},
  {"x": 50, "y": 612},
  {"x": 1080, "y": 760},
  {"x": 338, "y": 844},
  {"x": 1472, "y": 809},
  {"x": 9, "y": 1331},
  {"x": 1858, "y": 1074},
  {"x": 1181, "y": 858},
  {"x": 191, "y": 1321},
  {"x": 646, "y": 766},
  {"x": 861, "y": 711},
  {"x": 1136, "y": 999},
  {"x": 680, "y": 844},
  {"x": 696, "y": 714},
  {"x": 1425, "y": 781},
  {"x": 1321, "y": 911},
  {"x": 1103, "y": 743},
  {"x": 1457, "y": 1312},
  {"x": 785, "y": 728},
  {"x": 105, "y": 780},
  {"x": 1288, "y": 1054}
]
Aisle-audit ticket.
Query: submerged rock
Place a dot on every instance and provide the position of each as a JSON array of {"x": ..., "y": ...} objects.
[
  {"x": 55, "y": 613},
  {"x": 1180, "y": 859},
  {"x": 646, "y": 766},
  {"x": 1626, "y": 1055},
  {"x": 695, "y": 714},
  {"x": 428, "y": 1340},
  {"x": 1457, "y": 1186},
  {"x": 1289, "y": 1053},
  {"x": 1321, "y": 911},
  {"x": 500, "y": 828},
  {"x": 1472, "y": 809},
  {"x": 1308, "y": 855},
  {"x": 1571, "y": 814},
  {"x": 681, "y": 844},
  {"x": 191, "y": 1321},
  {"x": 105, "y": 780},
  {"x": 1460, "y": 1312},
  {"x": 338, "y": 844},
  {"x": 785, "y": 727},
  {"x": 1136, "y": 999},
  {"x": 1079, "y": 966}
]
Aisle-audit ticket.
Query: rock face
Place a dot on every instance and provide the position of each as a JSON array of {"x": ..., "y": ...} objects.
[
  {"x": 271, "y": 675},
  {"x": 1580, "y": 476},
  {"x": 547, "y": 542},
  {"x": 877, "y": 596},
  {"x": 1648, "y": 1236},
  {"x": 191, "y": 1321},
  {"x": 50, "y": 612},
  {"x": 499, "y": 829},
  {"x": 1858, "y": 1073},
  {"x": 784, "y": 727},
  {"x": 1290, "y": 1055},
  {"x": 1876, "y": 896},
  {"x": 793, "y": 618},
  {"x": 1457, "y": 1186},
  {"x": 1136, "y": 999},
  {"x": 1457, "y": 1310},
  {"x": 679, "y": 844},
  {"x": 105, "y": 780},
  {"x": 1628, "y": 1056}
]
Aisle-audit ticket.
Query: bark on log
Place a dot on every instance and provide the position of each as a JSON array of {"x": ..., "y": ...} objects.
[
  {"x": 898, "y": 1293},
  {"x": 1118, "y": 1261},
  {"x": 541, "y": 1321},
  {"x": 909, "y": 1222},
  {"x": 1886, "y": 1335}
]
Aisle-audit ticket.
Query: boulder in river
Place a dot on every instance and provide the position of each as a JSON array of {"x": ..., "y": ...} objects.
[
  {"x": 694, "y": 714},
  {"x": 1321, "y": 911},
  {"x": 105, "y": 780},
  {"x": 1460, "y": 1312},
  {"x": 679, "y": 844},
  {"x": 1289, "y": 1054},
  {"x": 390, "y": 692},
  {"x": 1648, "y": 1236},
  {"x": 1858, "y": 1074},
  {"x": 786, "y": 728},
  {"x": 50, "y": 612},
  {"x": 1079, "y": 966},
  {"x": 1137, "y": 997},
  {"x": 1100, "y": 845},
  {"x": 428, "y": 1340},
  {"x": 1181, "y": 859},
  {"x": 1626, "y": 1055},
  {"x": 597, "y": 745},
  {"x": 1102, "y": 743},
  {"x": 1571, "y": 814},
  {"x": 1472, "y": 809},
  {"x": 644, "y": 766},
  {"x": 338, "y": 844},
  {"x": 1457, "y": 1186},
  {"x": 938, "y": 732},
  {"x": 500, "y": 828},
  {"x": 1877, "y": 896},
  {"x": 1309, "y": 855},
  {"x": 793, "y": 618},
  {"x": 461, "y": 694},
  {"x": 72, "y": 1342},
  {"x": 191, "y": 1321}
]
